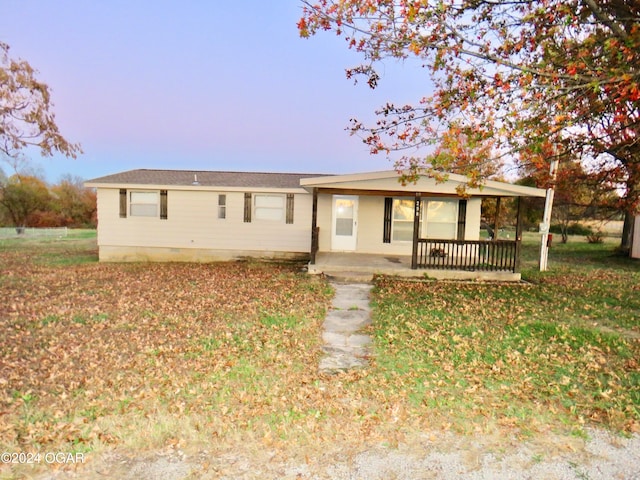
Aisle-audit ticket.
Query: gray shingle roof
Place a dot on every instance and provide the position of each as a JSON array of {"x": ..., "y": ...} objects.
[{"x": 205, "y": 178}]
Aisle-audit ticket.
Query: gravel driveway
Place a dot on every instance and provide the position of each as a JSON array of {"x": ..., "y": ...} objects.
[{"x": 424, "y": 456}]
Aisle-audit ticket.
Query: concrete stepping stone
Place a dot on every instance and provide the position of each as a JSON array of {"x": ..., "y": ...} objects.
[
  {"x": 346, "y": 320},
  {"x": 345, "y": 347}
]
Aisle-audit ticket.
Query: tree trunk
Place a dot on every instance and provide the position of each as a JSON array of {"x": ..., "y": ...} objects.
[{"x": 627, "y": 231}]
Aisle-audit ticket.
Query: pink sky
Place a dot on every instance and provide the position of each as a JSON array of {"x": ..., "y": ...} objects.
[{"x": 202, "y": 85}]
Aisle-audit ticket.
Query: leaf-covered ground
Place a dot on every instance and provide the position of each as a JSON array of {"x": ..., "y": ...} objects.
[
  {"x": 526, "y": 356},
  {"x": 148, "y": 355},
  {"x": 92, "y": 352},
  {"x": 561, "y": 350}
]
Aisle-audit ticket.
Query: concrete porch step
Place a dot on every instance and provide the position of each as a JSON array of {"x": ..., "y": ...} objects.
[
  {"x": 339, "y": 276},
  {"x": 360, "y": 275}
]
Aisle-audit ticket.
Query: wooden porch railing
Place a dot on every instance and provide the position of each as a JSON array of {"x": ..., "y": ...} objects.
[{"x": 469, "y": 255}]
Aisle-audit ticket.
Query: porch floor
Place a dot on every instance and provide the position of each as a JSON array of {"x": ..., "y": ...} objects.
[{"x": 365, "y": 265}]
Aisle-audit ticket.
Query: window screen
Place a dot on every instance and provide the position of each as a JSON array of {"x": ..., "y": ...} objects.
[{"x": 143, "y": 204}]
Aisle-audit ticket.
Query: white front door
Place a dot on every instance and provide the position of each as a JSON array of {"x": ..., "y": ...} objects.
[{"x": 345, "y": 222}]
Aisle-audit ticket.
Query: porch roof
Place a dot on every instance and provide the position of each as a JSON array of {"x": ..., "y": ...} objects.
[{"x": 388, "y": 181}]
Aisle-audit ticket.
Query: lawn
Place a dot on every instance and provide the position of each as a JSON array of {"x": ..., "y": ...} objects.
[
  {"x": 141, "y": 356},
  {"x": 559, "y": 351}
]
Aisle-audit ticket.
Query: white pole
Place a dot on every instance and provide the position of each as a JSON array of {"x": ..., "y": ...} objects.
[{"x": 546, "y": 218}]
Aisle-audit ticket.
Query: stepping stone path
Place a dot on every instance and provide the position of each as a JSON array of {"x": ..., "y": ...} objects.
[{"x": 344, "y": 347}]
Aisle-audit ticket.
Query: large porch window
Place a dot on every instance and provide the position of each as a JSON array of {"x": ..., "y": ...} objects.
[
  {"x": 402, "y": 220},
  {"x": 439, "y": 219}
]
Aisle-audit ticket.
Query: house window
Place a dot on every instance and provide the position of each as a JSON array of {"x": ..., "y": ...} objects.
[
  {"x": 402, "y": 220},
  {"x": 222, "y": 206},
  {"x": 143, "y": 204},
  {"x": 441, "y": 220},
  {"x": 268, "y": 207}
]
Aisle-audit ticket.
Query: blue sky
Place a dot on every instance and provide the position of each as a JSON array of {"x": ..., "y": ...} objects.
[{"x": 207, "y": 85}]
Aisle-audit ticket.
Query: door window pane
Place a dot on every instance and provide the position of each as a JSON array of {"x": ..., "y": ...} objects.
[
  {"x": 344, "y": 227},
  {"x": 344, "y": 217}
]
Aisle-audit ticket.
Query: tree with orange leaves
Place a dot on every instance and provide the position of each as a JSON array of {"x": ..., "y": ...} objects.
[
  {"x": 26, "y": 113},
  {"x": 539, "y": 79}
]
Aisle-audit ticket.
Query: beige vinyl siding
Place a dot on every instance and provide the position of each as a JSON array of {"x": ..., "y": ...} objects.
[
  {"x": 371, "y": 226},
  {"x": 193, "y": 223},
  {"x": 324, "y": 220},
  {"x": 472, "y": 226}
]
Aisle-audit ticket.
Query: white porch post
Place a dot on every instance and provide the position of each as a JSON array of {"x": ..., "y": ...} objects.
[
  {"x": 546, "y": 218},
  {"x": 416, "y": 232}
]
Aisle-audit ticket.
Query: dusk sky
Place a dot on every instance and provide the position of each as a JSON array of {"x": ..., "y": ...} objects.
[{"x": 205, "y": 85}]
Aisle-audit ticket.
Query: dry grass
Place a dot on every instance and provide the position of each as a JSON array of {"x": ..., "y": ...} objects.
[{"x": 145, "y": 356}]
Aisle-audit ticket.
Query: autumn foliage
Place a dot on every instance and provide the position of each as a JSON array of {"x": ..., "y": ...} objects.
[
  {"x": 533, "y": 80},
  {"x": 26, "y": 112},
  {"x": 27, "y": 201}
]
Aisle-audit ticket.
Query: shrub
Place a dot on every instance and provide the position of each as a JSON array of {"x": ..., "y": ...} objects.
[
  {"x": 596, "y": 237},
  {"x": 48, "y": 218},
  {"x": 572, "y": 229}
]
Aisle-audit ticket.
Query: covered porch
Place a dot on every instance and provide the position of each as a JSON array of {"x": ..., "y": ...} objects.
[{"x": 393, "y": 229}]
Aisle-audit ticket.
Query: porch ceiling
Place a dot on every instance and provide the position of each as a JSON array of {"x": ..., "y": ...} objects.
[{"x": 387, "y": 183}]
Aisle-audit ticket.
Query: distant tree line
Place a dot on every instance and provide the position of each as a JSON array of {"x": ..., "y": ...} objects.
[{"x": 28, "y": 201}]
